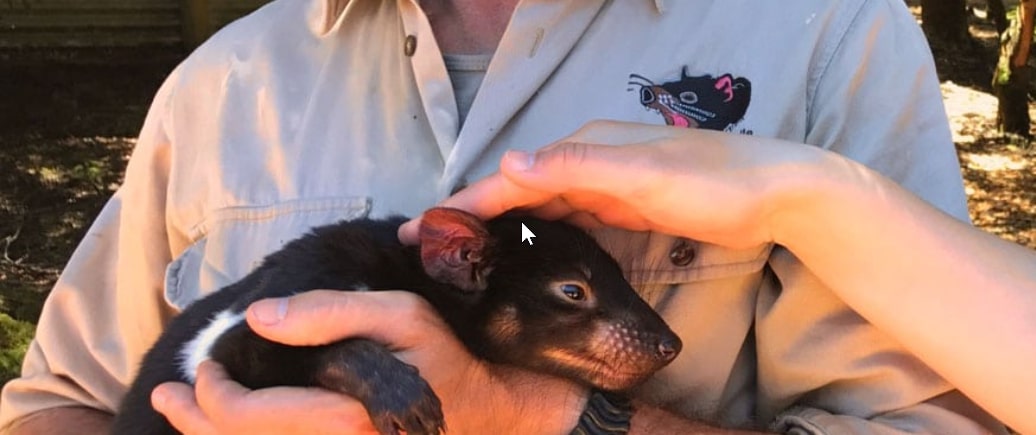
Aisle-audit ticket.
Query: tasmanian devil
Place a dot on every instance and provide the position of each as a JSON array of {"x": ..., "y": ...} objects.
[{"x": 559, "y": 306}]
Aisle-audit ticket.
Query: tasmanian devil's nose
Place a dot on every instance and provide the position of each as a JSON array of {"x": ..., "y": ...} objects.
[{"x": 669, "y": 347}]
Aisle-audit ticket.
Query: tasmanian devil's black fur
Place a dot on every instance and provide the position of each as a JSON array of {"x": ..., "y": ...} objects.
[{"x": 560, "y": 306}]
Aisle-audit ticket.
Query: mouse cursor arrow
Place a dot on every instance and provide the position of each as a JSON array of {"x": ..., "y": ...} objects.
[{"x": 527, "y": 234}]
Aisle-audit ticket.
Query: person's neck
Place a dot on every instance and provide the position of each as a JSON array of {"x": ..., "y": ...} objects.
[{"x": 468, "y": 26}]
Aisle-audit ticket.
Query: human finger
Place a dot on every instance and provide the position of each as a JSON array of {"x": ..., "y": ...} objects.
[
  {"x": 486, "y": 198},
  {"x": 214, "y": 390},
  {"x": 579, "y": 166},
  {"x": 176, "y": 401},
  {"x": 608, "y": 183},
  {"x": 319, "y": 317},
  {"x": 534, "y": 182},
  {"x": 232, "y": 408}
]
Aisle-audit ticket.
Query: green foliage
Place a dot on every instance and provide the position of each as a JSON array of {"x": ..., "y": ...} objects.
[{"x": 15, "y": 336}]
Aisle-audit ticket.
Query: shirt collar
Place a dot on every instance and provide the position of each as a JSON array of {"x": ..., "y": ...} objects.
[
  {"x": 660, "y": 6},
  {"x": 328, "y": 12},
  {"x": 324, "y": 14}
]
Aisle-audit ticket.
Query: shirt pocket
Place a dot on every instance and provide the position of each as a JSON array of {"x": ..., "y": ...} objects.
[{"x": 232, "y": 241}]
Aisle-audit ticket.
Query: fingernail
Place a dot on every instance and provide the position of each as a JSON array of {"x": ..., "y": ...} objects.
[
  {"x": 520, "y": 160},
  {"x": 270, "y": 311},
  {"x": 406, "y": 231}
]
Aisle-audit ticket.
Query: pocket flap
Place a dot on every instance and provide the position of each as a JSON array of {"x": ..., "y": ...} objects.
[
  {"x": 233, "y": 241},
  {"x": 653, "y": 258}
]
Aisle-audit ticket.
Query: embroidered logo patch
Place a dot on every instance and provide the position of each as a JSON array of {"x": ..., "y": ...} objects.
[{"x": 714, "y": 103}]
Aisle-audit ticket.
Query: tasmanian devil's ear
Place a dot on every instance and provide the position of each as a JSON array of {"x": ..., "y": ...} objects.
[{"x": 455, "y": 248}]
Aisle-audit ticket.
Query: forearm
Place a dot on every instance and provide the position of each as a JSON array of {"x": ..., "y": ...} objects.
[
  {"x": 960, "y": 299},
  {"x": 525, "y": 402},
  {"x": 61, "y": 421},
  {"x": 547, "y": 405}
]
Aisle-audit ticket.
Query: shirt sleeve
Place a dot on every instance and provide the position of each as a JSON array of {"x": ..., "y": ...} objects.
[
  {"x": 107, "y": 306},
  {"x": 874, "y": 97}
]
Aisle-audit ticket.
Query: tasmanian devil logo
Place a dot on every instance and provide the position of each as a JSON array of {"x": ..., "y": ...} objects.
[{"x": 700, "y": 101}]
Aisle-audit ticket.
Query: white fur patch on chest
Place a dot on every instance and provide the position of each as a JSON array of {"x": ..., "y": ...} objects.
[{"x": 198, "y": 349}]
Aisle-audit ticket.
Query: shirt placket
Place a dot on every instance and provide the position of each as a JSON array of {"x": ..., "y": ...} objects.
[
  {"x": 539, "y": 36},
  {"x": 433, "y": 81}
]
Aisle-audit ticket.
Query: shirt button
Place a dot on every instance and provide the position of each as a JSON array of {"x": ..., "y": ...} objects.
[
  {"x": 682, "y": 253},
  {"x": 410, "y": 45}
]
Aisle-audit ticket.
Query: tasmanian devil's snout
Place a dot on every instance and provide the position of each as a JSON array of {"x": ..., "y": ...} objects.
[
  {"x": 631, "y": 349},
  {"x": 653, "y": 346}
]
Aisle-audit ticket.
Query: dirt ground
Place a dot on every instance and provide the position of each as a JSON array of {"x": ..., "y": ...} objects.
[
  {"x": 999, "y": 174},
  {"x": 67, "y": 122}
]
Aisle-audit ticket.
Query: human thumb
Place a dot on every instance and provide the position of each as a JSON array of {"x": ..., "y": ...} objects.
[{"x": 567, "y": 166}]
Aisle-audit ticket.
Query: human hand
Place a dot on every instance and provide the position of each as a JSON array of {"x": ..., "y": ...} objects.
[
  {"x": 408, "y": 325},
  {"x": 709, "y": 186},
  {"x": 218, "y": 405}
]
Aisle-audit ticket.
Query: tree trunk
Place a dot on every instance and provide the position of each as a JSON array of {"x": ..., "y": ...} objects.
[
  {"x": 1011, "y": 80},
  {"x": 998, "y": 14},
  {"x": 946, "y": 20}
]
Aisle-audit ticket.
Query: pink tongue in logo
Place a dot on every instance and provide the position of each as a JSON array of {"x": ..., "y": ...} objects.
[{"x": 679, "y": 121}]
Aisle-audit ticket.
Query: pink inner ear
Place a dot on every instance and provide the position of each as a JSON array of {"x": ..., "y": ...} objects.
[
  {"x": 451, "y": 222},
  {"x": 452, "y": 242},
  {"x": 726, "y": 86}
]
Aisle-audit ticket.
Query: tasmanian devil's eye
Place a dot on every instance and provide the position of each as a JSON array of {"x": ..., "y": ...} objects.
[
  {"x": 573, "y": 291},
  {"x": 688, "y": 97}
]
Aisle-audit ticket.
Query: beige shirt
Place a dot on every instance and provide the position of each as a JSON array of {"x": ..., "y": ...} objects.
[{"x": 312, "y": 111}]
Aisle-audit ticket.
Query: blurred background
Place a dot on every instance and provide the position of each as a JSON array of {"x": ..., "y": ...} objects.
[{"x": 77, "y": 77}]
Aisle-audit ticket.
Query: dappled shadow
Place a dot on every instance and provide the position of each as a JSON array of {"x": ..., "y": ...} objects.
[
  {"x": 67, "y": 128},
  {"x": 970, "y": 64},
  {"x": 51, "y": 191},
  {"x": 1001, "y": 182}
]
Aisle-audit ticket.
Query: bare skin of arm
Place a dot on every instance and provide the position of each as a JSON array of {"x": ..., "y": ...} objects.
[{"x": 951, "y": 294}]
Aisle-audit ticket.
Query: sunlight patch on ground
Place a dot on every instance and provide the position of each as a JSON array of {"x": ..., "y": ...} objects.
[
  {"x": 998, "y": 174},
  {"x": 993, "y": 162},
  {"x": 964, "y": 104},
  {"x": 51, "y": 170}
]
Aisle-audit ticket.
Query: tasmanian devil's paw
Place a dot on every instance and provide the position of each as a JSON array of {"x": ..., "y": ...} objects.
[
  {"x": 396, "y": 397},
  {"x": 407, "y": 403}
]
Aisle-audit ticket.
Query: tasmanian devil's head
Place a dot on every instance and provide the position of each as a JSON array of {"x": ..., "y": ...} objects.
[{"x": 558, "y": 305}]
